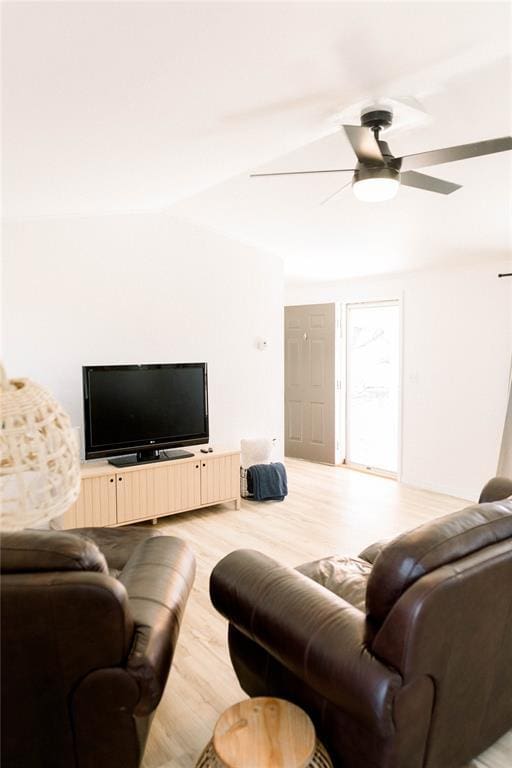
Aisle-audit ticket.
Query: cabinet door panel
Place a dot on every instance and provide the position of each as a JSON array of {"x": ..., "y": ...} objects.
[
  {"x": 220, "y": 479},
  {"x": 184, "y": 486},
  {"x": 157, "y": 491},
  {"x": 136, "y": 494},
  {"x": 96, "y": 505}
]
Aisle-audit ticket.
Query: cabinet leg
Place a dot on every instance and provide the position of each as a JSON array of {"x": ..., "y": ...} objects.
[
  {"x": 237, "y": 503},
  {"x": 154, "y": 521}
]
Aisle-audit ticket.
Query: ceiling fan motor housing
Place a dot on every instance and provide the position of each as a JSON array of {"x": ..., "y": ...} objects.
[{"x": 376, "y": 118}]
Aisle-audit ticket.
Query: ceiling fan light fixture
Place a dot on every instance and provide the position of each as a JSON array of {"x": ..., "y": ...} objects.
[
  {"x": 376, "y": 189},
  {"x": 379, "y": 173}
]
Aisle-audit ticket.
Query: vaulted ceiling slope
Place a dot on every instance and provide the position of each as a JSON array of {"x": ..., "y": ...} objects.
[{"x": 122, "y": 106}]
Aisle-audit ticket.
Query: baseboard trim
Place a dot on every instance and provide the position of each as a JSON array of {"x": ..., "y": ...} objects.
[{"x": 457, "y": 493}]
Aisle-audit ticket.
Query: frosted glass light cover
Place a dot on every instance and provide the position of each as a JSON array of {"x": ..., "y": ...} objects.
[{"x": 375, "y": 190}]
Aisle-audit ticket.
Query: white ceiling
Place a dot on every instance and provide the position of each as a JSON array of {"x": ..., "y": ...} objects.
[{"x": 133, "y": 106}]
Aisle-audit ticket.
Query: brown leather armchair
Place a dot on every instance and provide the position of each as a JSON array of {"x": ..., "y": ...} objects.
[
  {"x": 85, "y": 655},
  {"x": 404, "y": 662}
]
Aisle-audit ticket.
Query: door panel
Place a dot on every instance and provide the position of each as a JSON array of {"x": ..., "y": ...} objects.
[
  {"x": 294, "y": 429},
  {"x": 184, "y": 486},
  {"x": 317, "y": 363},
  {"x": 294, "y": 362},
  {"x": 317, "y": 321},
  {"x": 158, "y": 491},
  {"x": 96, "y": 504},
  {"x": 220, "y": 479},
  {"x": 317, "y": 423},
  {"x": 139, "y": 494},
  {"x": 310, "y": 382}
]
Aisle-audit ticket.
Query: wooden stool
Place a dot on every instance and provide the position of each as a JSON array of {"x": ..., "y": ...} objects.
[{"x": 264, "y": 733}]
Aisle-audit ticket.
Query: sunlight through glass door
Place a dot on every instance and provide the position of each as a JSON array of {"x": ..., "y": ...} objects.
[{"x": 373, "y": 391}]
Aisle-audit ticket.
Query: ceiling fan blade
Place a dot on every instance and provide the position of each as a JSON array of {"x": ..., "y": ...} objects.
[
  {"x": 429, "y": 183},
  {"x": 364, "y": 144},
  {"x": 460, "y": 152},
  {"x": 336, "y": 193},
  {"x": 298, "y": 173}
]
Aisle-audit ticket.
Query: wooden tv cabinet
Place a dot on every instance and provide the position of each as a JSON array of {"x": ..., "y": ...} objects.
[{"x": 110, "y": 496}]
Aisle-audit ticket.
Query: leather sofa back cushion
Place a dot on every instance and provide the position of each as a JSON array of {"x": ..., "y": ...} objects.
[
  {"x": 35, "y": 551},
  {"x": 439, "y": 542}
]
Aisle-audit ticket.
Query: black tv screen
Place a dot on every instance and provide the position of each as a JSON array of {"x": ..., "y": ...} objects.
[{"x": 133, "y": 408}]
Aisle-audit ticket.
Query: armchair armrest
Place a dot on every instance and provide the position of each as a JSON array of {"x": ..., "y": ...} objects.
[
  {"x": 157, "y": 578},
  {"x": 314, "y": 633}
]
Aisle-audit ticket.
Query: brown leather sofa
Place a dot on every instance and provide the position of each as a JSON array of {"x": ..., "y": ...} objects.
[
  {"x": 405, "y": 659},
  {"x": 86, "y": 655}
]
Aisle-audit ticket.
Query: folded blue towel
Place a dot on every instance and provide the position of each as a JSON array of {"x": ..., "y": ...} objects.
[{"x": 267, "y": 482}]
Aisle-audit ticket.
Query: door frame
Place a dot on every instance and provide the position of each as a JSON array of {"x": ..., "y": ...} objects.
[{"x": 343, "y": 422}]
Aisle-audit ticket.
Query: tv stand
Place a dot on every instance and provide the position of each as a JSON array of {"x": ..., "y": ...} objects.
[
  {"x": 149, "y": 457},
  {"x": 131, "y": 494}
]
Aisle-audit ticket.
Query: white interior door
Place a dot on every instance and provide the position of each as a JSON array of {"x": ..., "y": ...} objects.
[
  {"x": 373, "y": 385},
  {"x": 310, "y": 428}
]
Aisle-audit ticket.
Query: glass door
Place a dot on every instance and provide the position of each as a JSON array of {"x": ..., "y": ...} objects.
[{"x": 373, "y": 386}]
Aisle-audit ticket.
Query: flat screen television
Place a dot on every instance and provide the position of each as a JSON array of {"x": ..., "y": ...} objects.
[{"x": 136, "y": 411}]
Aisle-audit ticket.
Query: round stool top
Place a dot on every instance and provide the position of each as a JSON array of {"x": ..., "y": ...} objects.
[{"x": 264, "y": 732}]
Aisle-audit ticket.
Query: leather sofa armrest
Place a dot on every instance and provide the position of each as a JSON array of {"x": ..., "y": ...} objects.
[
  {"x": 66, "y": 623},
  {"x": 371, "y": 552},
  {"x": 315, "y": 634},
  {"x": 158, "y": 578}
]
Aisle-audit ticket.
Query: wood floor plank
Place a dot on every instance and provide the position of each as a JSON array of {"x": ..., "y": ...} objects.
[{"x": 329, "y": 510}]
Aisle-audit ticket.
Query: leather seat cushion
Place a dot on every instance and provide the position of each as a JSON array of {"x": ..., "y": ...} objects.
[
  {"x": 117, "y": 544},
  {"x": 345, "y": 576}
]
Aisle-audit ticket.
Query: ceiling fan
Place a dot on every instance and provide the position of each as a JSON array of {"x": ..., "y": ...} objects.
[{"x": 378, "y": 174}]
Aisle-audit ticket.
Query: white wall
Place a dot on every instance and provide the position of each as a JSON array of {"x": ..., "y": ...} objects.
[
  {"x": 146, "y": 288},
  {"x": 457, "y": 346}
]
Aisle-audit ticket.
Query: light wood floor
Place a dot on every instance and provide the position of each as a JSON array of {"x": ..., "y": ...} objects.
[{"x": 329, "y": 510}]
